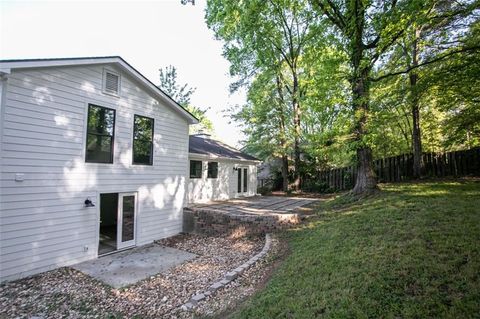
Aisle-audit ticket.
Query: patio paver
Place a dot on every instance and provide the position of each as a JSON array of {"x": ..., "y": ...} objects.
[{"x": 258, "y": 205}]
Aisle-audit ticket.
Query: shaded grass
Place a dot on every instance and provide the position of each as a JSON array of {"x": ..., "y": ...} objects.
[{"x": 411, "y": 251}]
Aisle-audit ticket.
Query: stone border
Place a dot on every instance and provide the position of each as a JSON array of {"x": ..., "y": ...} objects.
[{"x": 229, "y": 277}]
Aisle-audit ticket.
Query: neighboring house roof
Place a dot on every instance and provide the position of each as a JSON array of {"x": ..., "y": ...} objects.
[
  {"x": 213, "y": 148},
  {"x": 7, "y": 65}
]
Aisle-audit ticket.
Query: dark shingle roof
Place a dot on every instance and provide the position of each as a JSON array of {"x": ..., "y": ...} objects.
[{"x": 207, "y": 146}]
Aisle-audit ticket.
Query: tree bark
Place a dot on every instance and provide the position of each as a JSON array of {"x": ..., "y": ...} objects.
[
  {"x": 285, "y": 173},
  {"x": 414, "y": 100},
  {"x": 282, "y": 136},
  {"x": 297, "y": 128},
  {"x": 366, "y": 182}
]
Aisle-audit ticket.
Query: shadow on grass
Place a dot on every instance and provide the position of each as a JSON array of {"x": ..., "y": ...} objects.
[{"x": 412, "y": 250}]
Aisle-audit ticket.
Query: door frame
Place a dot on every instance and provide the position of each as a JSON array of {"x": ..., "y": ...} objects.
[
  {"x": 242, "y": 169},
  {"x": 130, "y": 243}
]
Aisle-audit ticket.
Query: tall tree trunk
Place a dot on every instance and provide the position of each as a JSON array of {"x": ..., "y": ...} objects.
[
  {"x": 285, "y": 173},
  {"x": 282, "y": 133},
  {"x": 414, "y": 101},
  {"x": 297, "y": 133},
  {"x": 366, "y": 182}
]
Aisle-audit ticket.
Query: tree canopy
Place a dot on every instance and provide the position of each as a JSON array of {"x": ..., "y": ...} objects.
[
  {"x": 182, "y": 95},
  {"x": 336, "y": 82}
]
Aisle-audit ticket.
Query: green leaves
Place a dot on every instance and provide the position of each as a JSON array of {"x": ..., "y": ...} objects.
[
  {"x": 182, "y": 94},
  {"x": 342, "y": 67}
]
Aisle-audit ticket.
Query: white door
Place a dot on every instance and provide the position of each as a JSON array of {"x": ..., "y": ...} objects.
[
  {"x": 242, "y": 181},
  {"x": 127, "y": 220}
]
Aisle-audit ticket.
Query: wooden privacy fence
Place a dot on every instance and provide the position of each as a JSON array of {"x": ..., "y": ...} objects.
[{"x": 400, "y": 168}]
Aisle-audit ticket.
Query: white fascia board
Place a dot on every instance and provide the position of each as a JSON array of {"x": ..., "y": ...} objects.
[
  {"x": 25, "y": 64},
  {"x": 195, "y": 156},
  {"x": 41, "y": 63}
]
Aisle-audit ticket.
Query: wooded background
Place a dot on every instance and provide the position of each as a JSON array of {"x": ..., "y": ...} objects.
[
  {"x": 335, "y": 83},
  {"x": 399, "y": 169}
]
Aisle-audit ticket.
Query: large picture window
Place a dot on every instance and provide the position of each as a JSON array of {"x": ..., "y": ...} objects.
[
  {"x": 100, "y": 134},
  {"x": 142, "y": 140},
  {"x": 212, "y": 170},
  {"x": 195, "y": 169}
]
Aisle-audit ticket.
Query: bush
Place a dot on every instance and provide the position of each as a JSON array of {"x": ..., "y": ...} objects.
[
  {"x": 265, "y": 190},
  {"x": 315, "y": 186}
]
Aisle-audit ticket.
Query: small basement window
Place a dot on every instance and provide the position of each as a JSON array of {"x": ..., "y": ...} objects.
[
  {"x": 100, "y": 134},
  {"x": 111, "y": 82},
  {"x": 212, "y": 170},
  {"x": 143, "y": 140},
  {"x": 195, "y": 169}
]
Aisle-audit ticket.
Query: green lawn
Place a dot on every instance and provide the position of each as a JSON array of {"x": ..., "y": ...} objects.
[{"x": 412, "y": 251}]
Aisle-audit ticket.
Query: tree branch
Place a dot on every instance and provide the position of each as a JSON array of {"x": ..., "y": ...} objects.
[
  {"x": 375, "y": 41},
  {"x": 380, "y": 51},
  {"x": 336, "y": 20},
  {"x": 337, "y": 12},
  {"x": 440, "y": 58}
]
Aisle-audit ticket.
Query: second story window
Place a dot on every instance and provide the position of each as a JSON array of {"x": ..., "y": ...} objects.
[
  {"x": 142, "y": 140},
  {"x": 100, "y": 134}
]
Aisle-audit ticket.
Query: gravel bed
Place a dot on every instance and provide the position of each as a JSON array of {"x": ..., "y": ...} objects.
[
  {"x": 67, "y": 293},
  {"x": 230, "y": 298}
]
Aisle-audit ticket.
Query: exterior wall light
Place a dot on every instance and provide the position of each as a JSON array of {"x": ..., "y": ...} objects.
[{"x": 88, "y": 203}]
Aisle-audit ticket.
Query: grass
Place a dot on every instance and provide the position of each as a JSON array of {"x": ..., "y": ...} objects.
[{"x": 411, "y": 251}]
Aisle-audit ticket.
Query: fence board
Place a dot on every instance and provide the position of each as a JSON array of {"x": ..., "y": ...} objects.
[{"x": 400, "y": 168}]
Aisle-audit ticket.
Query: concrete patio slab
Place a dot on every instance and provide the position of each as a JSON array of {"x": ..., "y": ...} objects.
[{"x": 128, "y": 267}]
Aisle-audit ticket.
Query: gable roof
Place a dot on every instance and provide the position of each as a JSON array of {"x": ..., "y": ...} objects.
[
  {"x": 7, "y": 65},
  {"x": 213, "y": 148}
]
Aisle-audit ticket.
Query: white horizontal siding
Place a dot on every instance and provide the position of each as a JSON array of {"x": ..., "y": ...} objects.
[
  {"x": 201, "y": 190},
  {"x": 43, "y": 222}
]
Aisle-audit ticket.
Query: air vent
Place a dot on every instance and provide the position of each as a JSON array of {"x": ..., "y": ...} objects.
[{"x": 111, "y": 83}]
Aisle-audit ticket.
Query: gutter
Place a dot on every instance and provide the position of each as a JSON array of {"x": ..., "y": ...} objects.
[{"x": 215, "y": 157}]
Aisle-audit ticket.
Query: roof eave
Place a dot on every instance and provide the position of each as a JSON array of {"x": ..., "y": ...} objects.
[
  {"x": 7, "y": 65},
  {"x": 216, "y": 157}
]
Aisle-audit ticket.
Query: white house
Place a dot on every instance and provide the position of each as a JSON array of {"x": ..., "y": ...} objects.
[
  {"x": 94, "y": 158},
  {"x": 218, "y": 171}
]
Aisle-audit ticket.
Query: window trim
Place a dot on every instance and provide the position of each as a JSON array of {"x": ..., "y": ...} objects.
[
  {"x": 201, "y": 169},
  {"x": 208, "y": 170},
  {"x": 112, "y": 146},
  {"x": 104, "y": 82},
  {"x": 151, "y": 145}
]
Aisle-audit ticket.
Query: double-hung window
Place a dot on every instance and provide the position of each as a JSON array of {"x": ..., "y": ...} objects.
[
  {"x": 195, "y": 169},
  {"x": 212, "y": 170},
  {"x": 100, "y": 134},
  {"x": 142, "y": 140}
]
